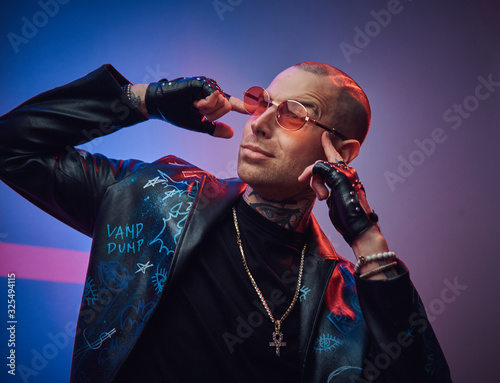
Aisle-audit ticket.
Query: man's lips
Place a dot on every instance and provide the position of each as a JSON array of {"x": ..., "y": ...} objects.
[{"x": 255, "y": 152}]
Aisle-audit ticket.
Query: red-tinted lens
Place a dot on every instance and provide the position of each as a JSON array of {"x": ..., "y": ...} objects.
[
  {"x": 256, "y": 100},
  {"x": 291, "y": 115}
]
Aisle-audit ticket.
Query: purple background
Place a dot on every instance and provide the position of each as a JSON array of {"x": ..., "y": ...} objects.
[{"x": 438, "y": 212}]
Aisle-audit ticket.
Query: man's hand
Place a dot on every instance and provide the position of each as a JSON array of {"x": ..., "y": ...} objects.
[
  {"x": 349, "y": 211},
  {"x": 217, "y": 105},
  {"x": 317, "y": 183},
  {"x": 210, "y": 108},
  {"x": 175, "y": 102},
  {"x": 348, "y": 208}
]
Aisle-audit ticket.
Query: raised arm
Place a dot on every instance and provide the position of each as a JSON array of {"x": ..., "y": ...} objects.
[
  {"x": 404, "y": 347},
  {"x": 350, "y": 212},
  {"x": 37, "y": 139},
  {"x": 169, "y": 101}
]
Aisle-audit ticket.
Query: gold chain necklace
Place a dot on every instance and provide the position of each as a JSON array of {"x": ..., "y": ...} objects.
[{"x": 277, "y": 334}]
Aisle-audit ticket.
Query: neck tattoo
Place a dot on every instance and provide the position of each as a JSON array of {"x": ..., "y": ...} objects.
[
  {"x": 277, "y": 334},
  {"x": 290, "y": 214}
]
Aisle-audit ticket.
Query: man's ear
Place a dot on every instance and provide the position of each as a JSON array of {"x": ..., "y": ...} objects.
[{"x": 348, "y": 149}]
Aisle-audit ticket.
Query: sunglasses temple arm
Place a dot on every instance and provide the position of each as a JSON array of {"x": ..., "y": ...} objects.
[
  {"x": 331, "y": 130},
  {"x": 340, "y": 135}
]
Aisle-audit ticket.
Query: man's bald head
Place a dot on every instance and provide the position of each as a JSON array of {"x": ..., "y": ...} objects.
[{"x": 351, "y": 109}]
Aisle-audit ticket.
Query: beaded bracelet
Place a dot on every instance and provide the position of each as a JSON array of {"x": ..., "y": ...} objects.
[
  {"x": 126, "y": 89},
  {"x": 379, "y": 269},
  {"x": 374, "y": 257}
]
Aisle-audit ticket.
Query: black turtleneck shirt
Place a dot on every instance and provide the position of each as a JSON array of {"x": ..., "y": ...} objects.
[{"x": 210, "y": 325}]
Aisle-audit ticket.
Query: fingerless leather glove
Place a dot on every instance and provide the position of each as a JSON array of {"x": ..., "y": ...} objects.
[
  {"x": 349, "y": 210},
  {"x": 172, "y": 101}
]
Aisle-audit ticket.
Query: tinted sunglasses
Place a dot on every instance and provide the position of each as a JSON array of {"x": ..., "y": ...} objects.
[{"x": 290, "y": 114}]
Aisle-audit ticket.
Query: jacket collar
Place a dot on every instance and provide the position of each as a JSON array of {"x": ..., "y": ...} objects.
[
  {"x": 318, "y": 243},
  {"x": 214, "y": 199}
]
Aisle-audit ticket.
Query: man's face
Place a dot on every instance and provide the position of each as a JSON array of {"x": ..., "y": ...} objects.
[{"x": 271, "y": 158}]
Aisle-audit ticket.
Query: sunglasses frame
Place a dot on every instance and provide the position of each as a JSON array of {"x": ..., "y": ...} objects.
[{"x": 306, "y": 118}]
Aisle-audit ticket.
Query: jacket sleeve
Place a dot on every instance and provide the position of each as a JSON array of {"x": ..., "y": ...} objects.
[
  {"x": 404, "y": 347},
  {"x": 37, "y": 155}
]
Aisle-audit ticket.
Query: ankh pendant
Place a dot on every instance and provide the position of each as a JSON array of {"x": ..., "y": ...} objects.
[{"x": 277, "y": 338}]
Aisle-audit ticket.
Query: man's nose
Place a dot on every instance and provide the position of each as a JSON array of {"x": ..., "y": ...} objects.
[{"x": 264, "y": 124}]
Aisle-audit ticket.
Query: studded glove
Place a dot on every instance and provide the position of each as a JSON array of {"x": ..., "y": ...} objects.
[
  {"x": 172, "y": 101},
  {"x": 349, "y": 210}
]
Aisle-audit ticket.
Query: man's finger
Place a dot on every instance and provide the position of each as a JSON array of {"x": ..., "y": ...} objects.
[
  {"x": 331, "y": 153},
  {"x": 316, "y": 183},
  {"x": 221, "y": 108},
  {"x": 213, "y": 106},
  {"x": 222, "y": 130},
  {"x": 237, "y": 105},
  {"x": 209, "y": 102},
  {"x": 306, "y": 174}
]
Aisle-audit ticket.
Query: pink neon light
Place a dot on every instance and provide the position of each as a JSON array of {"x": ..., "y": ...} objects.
[{"x": 43, "y": 263}]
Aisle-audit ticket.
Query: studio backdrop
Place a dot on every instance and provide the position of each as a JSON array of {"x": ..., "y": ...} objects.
[{"x": 431, "y": 70}]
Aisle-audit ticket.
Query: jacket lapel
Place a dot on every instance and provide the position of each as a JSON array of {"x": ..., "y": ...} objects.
[
  {"x": 215, "y": 198},
  {"x": 318, "y": 268}
]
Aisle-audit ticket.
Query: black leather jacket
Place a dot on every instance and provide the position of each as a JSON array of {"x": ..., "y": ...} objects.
[{"x": 145, "y": 220}]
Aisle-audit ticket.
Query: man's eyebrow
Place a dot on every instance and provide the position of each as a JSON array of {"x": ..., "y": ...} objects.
[{"x": 309, "y": 105}]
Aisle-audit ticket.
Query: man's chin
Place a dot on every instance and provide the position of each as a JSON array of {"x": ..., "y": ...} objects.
[{"x": 248, "y": 171}]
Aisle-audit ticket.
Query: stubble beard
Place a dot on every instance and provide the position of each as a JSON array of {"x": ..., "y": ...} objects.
[{"x": 271, "y": 182}]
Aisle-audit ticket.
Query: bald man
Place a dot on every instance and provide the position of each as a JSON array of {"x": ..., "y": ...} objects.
[{"x": 202, "y": 279}]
